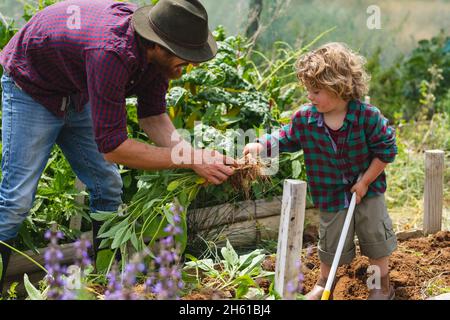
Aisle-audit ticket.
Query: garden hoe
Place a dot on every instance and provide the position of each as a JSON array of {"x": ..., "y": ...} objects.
[{"x": 326, "y": 293}]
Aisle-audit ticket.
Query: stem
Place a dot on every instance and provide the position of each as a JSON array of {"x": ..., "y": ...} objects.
[
  {"x": 25, "y": 255},
  {"x": 111, "y": 261}
]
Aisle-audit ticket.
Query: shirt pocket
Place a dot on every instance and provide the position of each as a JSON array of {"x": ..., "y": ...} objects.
[{"x": 357, "y": 150}]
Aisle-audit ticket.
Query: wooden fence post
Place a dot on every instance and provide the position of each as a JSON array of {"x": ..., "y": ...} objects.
[
  {"x": 434, "y": 191},
  {"x": 290, "y": 236},
  {"x": 75, "y": 221}
]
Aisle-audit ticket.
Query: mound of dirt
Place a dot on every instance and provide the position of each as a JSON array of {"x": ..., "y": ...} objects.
[{"x": 419, "y": 268}]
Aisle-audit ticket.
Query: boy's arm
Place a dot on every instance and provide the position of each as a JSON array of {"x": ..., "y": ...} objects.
[
  {"x": 286, "y": 139},
  {"x": 380, "y": 136},
  {"x": 382, "y": 146},
  {"x": 375, "y": 169}
]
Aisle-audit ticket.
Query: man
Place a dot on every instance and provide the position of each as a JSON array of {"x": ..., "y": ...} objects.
[{"x": 67, "y": 73}]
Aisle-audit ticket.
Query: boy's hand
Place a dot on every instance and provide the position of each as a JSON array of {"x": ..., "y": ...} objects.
[
  {"x": 361, "y": 189},
  {"x": 254, "y": 149}
]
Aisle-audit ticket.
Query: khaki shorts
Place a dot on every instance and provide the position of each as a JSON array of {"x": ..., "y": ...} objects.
[{"x": 372, "y": 225}]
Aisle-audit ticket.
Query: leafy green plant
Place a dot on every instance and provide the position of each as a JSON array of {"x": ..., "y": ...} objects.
[
  {"x": 232, "y": 272},
  {"x": 151, "y": 210}
]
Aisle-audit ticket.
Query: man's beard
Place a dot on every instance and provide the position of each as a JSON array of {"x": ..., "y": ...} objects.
[{"x": 168, "y": 70}]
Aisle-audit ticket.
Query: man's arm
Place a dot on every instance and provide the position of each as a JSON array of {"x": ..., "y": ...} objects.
[
  {"x": 138, "y": 155},
  {"x": 161, "y": 130}
]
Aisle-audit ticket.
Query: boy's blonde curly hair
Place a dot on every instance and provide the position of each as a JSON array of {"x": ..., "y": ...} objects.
[{"x": 334, "y": 67}]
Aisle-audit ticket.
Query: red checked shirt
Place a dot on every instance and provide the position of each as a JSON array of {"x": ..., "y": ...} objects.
[
  {"x": 86, "y": 51},
  {"x": 332, "y": 167}
]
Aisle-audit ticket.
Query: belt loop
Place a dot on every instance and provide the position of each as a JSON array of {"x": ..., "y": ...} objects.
[{"x": 64, "y": 103}]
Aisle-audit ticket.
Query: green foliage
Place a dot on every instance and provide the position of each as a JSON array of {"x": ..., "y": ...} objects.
[
  {"x": 416, "y": 85},
  {"x": 232, "y": 272},
  {"x": 159, "y": 197},
  {"x": 30, "y": 8},
  {"x": 7, "y": 30}
]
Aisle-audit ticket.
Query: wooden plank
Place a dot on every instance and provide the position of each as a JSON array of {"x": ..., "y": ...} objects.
[
  {"x": 267, "y": 228},
  {"x": 434, "y": 191},
  {"x": 406, "y": 235},
  {"x": 19, "y": 264},
  {"x": 75, "y": 221},
  {"x": 239, "y": 234},
  {"x": 290, "y": 236},
  {"x": 265, "y": 208},
  {"x": 212, "y": 217}
]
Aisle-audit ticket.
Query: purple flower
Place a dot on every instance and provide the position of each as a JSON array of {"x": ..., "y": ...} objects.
[
  {"x": 114, "y": 291},
  {"x": 53, "y": 256},
  {"x": 166, "y": 277},
  {"x": 81, "y": 254}
]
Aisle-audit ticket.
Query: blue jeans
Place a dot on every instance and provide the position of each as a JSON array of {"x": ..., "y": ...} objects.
[{"x": 29, "y": 131}]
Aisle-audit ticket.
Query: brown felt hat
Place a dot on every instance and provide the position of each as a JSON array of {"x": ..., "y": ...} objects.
[{"x": 181, "y": 26}]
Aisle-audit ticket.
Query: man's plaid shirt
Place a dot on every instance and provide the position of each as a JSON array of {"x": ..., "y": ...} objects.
[
  {"x": 99, "y": 61},
  {"x": 331, "y": 173}
]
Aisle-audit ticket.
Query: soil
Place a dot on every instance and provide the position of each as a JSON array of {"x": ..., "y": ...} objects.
[{"x": 419, "y": 268}]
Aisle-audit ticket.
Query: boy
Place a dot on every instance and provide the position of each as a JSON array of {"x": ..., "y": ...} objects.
[{"x": 342, "y": 137}]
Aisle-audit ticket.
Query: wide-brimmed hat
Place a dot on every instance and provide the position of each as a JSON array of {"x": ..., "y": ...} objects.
[{"x": 181, "y": 26}]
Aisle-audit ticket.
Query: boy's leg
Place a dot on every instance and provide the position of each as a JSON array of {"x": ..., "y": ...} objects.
[
  {"x": 377, "y": 241},
  {"x": 29, "y": 132},
  {"x": 331, "y": 224},
  {"x": 102, "y": 178}
]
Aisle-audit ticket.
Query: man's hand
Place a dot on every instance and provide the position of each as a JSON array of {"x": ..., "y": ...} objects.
[
  {"x": 254, "y": 149},
  {"x": 214, "y": 167},
  {"x": 361, "y": 189}
]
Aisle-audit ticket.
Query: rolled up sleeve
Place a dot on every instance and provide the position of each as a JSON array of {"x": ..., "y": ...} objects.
[
  {"x": 106, "y": 79},
  {"x": 381, "y": 136},
  {"x": 286, "y": 139}
]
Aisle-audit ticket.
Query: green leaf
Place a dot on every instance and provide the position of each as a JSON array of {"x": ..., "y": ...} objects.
[
  {"x": 256, "y": 263},
  {"x": 102, "y": 215},
  {"x": 33, "y": 293},
  {"x": 127, "y": 181},
  {"x": 243, "y": 282},
  {"x": 192, "y": 194},
  {"x": 135, "y": 242},
  {"x": 296, "y": 169},
  {"x": 152, "y": 228},
  {"x": 105, "y": 243},
  {"x": 245, "y": 260},
  {"x": 241, "y": 291},
  {"x": 230, "y": 256},
  {"x": 190, "y": 257},
  {"x": 104, "y": 258},
  {"x": 150, "y": 204},
  {"x": 200, "y": 180},
  {"x": 112, "y": 233},
  {"x": 173, "y": 185},
  {"x": 205, "y": 264},
  {"x": 122, "y": 236}
]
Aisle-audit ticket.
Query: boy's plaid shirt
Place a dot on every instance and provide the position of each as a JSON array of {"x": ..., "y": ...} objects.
[{"x": 331, "y": 173}]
